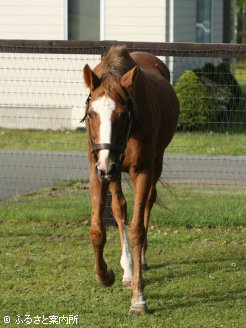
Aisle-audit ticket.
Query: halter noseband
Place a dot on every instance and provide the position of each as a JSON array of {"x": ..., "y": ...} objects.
[{"x": 118, "y": 148}]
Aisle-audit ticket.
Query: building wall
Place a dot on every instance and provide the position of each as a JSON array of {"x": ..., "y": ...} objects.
[
  {"x": 47, "y": 91},
  {"x": 135, "y": 20},
  {"x": 185, "y": 31},
  {"x": 132, "y": 20},
  {"x": 184, "y": 21},
  {"x": 217, "y": 21},
  {"x": 32, "y": 19},
  {"x": 43, "y": 91}
]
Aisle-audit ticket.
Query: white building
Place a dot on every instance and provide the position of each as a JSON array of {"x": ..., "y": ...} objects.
[
  {"x": 46, "y": 91},
  {"x": 128, "y": 20}
]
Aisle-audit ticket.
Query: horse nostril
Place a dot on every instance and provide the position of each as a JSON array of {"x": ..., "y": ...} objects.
[
  {"x": 99, "y": 172},
  {"x": 112, "y": 169},
  {"x": 112, "y": 174}
]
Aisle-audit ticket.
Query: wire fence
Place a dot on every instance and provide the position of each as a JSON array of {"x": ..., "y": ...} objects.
[{"x": 42, "y": 103}]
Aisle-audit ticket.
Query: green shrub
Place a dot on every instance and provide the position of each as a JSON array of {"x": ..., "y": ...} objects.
[
  {"x": 209, "y": 95},
  {"x": 194, "y": 106},
  {"x": 218, "y": 97},
  {"x": 227, "y": 92}
]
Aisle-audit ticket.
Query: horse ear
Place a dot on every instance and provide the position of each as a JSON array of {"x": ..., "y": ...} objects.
[
  {"x": 91, "y": 79},
  {"x": 128, "y": 78}
]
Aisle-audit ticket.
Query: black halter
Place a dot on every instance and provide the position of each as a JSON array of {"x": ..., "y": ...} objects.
[{"x": 118, "y": 148}]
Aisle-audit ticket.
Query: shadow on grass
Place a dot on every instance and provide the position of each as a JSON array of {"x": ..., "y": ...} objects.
[
  {"x": 192, "y": 261},
  {"x": 205, "y": 298},
  {"x": 209, "y": 267},
  {"x": 173, "y": 270}
]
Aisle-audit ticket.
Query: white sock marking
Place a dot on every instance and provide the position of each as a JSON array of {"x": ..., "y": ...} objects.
[
  {"x": 126, "y": 258},
  {"x": 104, "y": 106}
]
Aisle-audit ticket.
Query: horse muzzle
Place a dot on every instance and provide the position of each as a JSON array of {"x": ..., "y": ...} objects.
[{"x": 113, "y": 173}]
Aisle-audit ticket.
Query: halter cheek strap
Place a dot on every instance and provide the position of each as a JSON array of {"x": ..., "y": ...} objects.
[{"x": 86, "y": 109}]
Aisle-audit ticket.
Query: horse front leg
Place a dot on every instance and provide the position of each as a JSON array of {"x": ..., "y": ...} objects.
[
  {"x": 142, "y": 182},
  {"x": 97, "y": 231},
  {"x": 119, "y": 208}
]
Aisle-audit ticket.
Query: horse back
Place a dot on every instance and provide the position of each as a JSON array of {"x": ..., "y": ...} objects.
[
  {"x": 159, "y": 104},
  {"x": 151, "y": 64}
]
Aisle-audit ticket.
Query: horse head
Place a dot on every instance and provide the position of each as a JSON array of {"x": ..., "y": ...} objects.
[{"x": 108, "y": 120}]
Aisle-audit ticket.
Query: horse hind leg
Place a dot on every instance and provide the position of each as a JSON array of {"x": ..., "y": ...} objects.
[
  {"x": 119, "y": 209},
  {"x": 126, "y": 261},
  {"x": 149, "y": 204}
]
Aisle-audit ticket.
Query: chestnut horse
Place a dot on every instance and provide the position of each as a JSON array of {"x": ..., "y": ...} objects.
[{"x": 131, "y": 116}]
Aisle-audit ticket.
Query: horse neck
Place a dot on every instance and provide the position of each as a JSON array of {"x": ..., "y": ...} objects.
[{"x": 138, "y": 94}]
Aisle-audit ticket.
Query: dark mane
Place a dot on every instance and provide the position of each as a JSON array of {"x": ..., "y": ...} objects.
[{"x": 116, "y": 63}]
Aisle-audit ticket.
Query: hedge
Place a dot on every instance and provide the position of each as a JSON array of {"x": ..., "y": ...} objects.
[
  {"x": 223, "y": 80},
  {"x": 194, "y": 106},
  {"x": 209, "y": 94}
]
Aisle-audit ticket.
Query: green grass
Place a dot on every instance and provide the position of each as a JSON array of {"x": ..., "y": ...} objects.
[
  {"x": 196, "y": 279},
  {"x": 182, "y": 206},
  {"x": 43, "y": 140},
  {"x": 208, "y": 144},
  {"x": 241, "y": 75},
  {"x": 241, "y": 70},
  {"x": 183, "y": 143}
]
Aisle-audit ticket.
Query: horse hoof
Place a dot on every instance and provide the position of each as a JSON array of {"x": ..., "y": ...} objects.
[
  {"x": 138, "y": 309},
  {"x": 108, "y": 279},
  {"x": 127, "y": 284},
  {"x": 145, "y": 267}
]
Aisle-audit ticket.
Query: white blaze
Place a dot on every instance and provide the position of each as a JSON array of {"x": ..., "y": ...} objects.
[{"x": 104, "y": 106}]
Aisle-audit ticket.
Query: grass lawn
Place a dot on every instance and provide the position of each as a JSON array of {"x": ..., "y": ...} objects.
[
  {"x": 197, "y": 269},
  {"x": 183, "y": 143},
  {"x": 241, "y": 74}
]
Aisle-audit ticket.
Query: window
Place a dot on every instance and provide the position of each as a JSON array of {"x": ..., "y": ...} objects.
[
  {"x": 84, "y": 20},
  {"x": 203, "y": 20}
]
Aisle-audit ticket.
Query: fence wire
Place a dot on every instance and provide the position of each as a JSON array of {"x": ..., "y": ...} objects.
[{"x": 42, "y": 103}]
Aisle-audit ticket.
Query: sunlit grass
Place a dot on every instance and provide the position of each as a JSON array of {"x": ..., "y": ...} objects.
[
  {"x": 196, "y": 276},
  {"x": 209, "y": 143},
  {"x": 241, "y": 74}
]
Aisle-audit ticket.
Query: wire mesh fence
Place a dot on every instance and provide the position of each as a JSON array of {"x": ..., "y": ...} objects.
[{"x": 42, "y": 103}]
